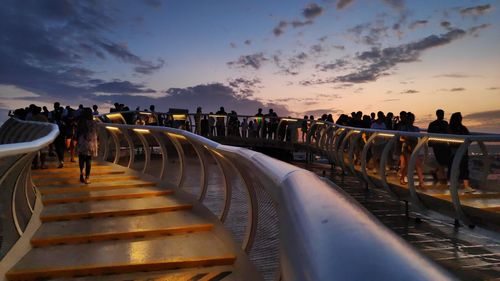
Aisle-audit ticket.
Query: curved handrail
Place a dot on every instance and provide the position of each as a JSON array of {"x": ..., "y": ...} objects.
[
  {"x": 30, "y": 146},
  {"x": 323, "y": 233},
  {"x": 319, "y": 132}
]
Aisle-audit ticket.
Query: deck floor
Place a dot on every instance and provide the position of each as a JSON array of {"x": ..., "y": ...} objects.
[{"x": 470, "y": 254}]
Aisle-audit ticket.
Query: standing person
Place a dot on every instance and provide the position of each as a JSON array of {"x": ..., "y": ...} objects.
[
  {"x": 59, "y": 144},
  {"x": 197, "y": 121},
  {"x": 260, "y": 123},
  {"x": 204, "y": 126},
  {"x": 441, "y": 150},
  {"x": 87, "y": 143},
  {"x": 409, "y": 144},
  {"x": 457, "y": 128},
  {"x": 244, "y": 128},
  {"x": 95, "y": 111},
  {"x": 220, "y": 123},
  {"x": 303, "y": 128}
]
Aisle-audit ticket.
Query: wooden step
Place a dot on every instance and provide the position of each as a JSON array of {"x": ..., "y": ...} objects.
[
  {"x": 123, "y": 256},
  {"x": 101, "y": 195},
  {"x": 123, "y": 227},
  {"x": 73, "y": 169},
  {"x": 212, "y": 273},
  {"x": 69, "y": 174},
  {"x": 76, "y": 180},
  {"x": 71, "y": 211},
  {"x": 92, "y": 186}
]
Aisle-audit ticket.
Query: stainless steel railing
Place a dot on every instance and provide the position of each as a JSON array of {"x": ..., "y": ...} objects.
[
  {"x": 351, "y": 148},
  {"x": 292, "y": 224},
  {"x": 20, "y": 141}
]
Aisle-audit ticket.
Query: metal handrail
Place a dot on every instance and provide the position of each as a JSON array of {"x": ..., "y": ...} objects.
[
  {"x": 19, "y": 202},
  {"x": 334, "y": 150},
  {"x": 323, "y": 233}
]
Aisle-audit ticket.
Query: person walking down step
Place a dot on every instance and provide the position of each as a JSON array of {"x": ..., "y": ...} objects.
[{"x": 87, "y": 143}]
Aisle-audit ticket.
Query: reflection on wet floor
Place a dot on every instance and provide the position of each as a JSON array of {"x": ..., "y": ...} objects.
[{"x": 471, "y": 254}]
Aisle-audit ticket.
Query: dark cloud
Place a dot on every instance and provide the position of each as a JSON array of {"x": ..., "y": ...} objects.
[
  {"x": 254, "y": 61},
  {"x": 446, "y": 24},
  {"x": 475, "y": 30},
  {"x": 493, "y": 88},
  {"x": 291, "y": 65},
  {"x": 389, "y": 100},
  {"x": 457, "y": 89},
  {"x": 411, "y": 91},
  {"x": 247, "y": 42},
  {"x": 418, "y": 24},
  {"x": 476, "y": 10},
  {"x": 339, "y": 47},
  {"x": 396, "y": 4},
  {"x": 377, "y": 62},
  {"x": 245, "y": 87},
  {"x": 312, "y": 11},
  {"x": 297, "y": 23},
  {"x": 209, "y": 96},
  {"x": 232, "y": 45},
  {"x": 279, "y": 29},
  {"x": 456, "y": 75},
  {"x": 121, "y": 87},
  {"x": 45, "y": 43},
  {"x": 341, "y": 4},
  {"x": 338, "y": 64},
  {"x": 485, "y": 121},
  {"x": 369, "y": 33}
]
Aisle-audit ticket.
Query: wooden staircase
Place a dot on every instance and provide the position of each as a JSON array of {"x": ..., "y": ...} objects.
[{"x": 121, "y": 227}]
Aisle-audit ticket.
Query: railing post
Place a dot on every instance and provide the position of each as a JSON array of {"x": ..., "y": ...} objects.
[
  {"x": 411, "y": 168},
  {"x": 454, "y": 175}
]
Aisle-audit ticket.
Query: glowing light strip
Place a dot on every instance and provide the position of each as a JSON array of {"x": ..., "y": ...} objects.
[
  {"x": 446, "y": 140},
  {"x": 215, "y": 115},
  {"x": 386, "y": 135},
  {"x": 177, "y": 136},
  {"x": 179, "y": 116},
  {"x": 112, "y": 128},
  {"x": 356, "y": 131},
  {"x": 114, "y": 115},
  {"x": 145, "y": 112},
  {"x": 289, "y": 120},
  {"x": 143, "y": 131}
]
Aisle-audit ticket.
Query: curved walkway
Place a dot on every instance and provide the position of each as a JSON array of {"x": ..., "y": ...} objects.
[{"x": 122, "y": 223}]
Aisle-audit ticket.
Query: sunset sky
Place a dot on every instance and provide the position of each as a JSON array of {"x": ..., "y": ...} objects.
[{"x": 298, "y": 57}]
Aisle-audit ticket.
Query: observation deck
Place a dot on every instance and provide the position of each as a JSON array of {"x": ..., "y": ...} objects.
[{"x": 168, "y": 204}]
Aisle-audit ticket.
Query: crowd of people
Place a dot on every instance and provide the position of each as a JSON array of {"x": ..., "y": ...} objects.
[
  {"x": 77, "y": 134},
  {"x": 78, "y": 131}
]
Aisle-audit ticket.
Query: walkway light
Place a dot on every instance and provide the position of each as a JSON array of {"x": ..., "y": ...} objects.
[
  {"x": 177, "y": 136},
  {"x": 112, "y": 128},
  {"x": 446, "y": 140},
  {"x": 142, "y": 131},
  {"x": 386, "y": 135}
]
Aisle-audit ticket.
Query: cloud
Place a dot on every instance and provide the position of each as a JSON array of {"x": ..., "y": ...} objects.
[
  {"x": 369, "y": 33},
  {"x": 474, "y": 31},
  {"x": 493, "y": 88},
  {"x": 389, "y": 100},
  {"x": 418, "y": 24},
  {"x": 460, "y": 89},
  {"x": 475, "y": 10},
  {"x": 254, "y": 61},
  {"x": 338, "y": 64},
  {"x": 445, "y": 24},
  {"x": 46, "y": 46},
  {"x": 485, "y": 121},
  {"x": 243, "y": 86},
  {"x": 232, "y": 45},
  {"x": 297, "y": 23},
  {"x": 279, "y": 29},
  {"x": 209, "y": 96},
  {"x": 122, "y": 87},
  {"x": 376, "y": 62},
  {"x": 396, "y": 4},
  {"x": 456, "y": 75},
  {"x": 291, "y": 65},
  {"x": 411, "y": 91},
  {"x": 312, "y": 11},
  {"x": 248, "y": 42},
  {"x": 341, "y": 4}
]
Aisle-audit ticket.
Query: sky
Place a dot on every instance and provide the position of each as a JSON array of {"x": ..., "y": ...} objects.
[{"x": 297, "y": 57}]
